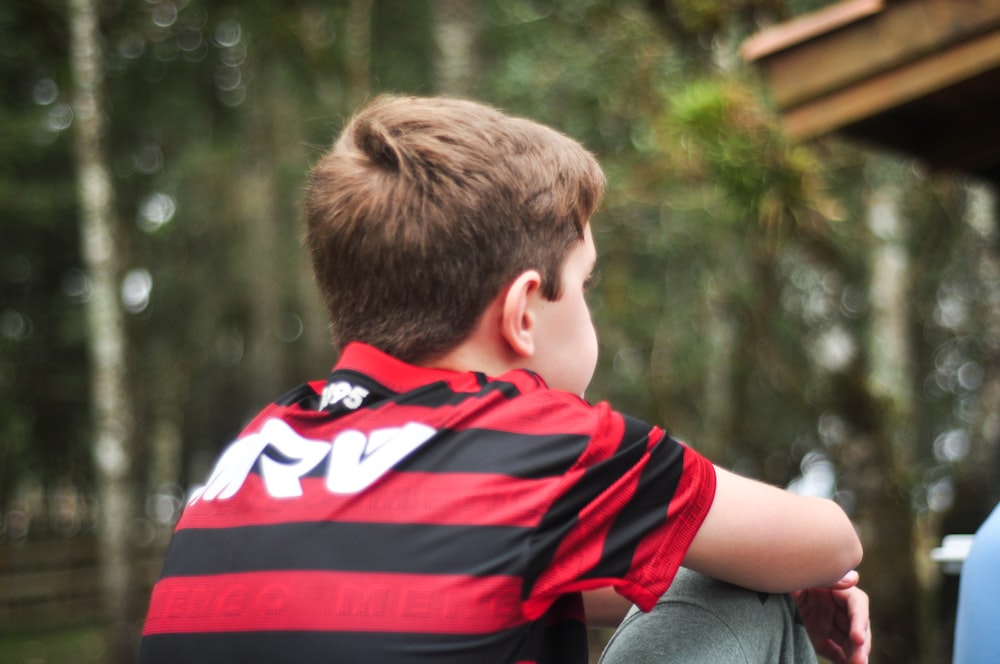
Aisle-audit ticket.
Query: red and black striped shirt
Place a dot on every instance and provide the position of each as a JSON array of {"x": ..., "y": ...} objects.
[{"x": 398, "y": 514}]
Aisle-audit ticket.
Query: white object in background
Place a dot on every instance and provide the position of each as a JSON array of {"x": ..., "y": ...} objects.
[{"x": 952, "y": 552}]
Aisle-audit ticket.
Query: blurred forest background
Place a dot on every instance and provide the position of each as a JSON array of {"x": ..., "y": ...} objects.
[{"x": 819, "y": 316}]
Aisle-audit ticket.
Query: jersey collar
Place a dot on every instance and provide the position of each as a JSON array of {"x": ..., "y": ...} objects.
[{"x": 399, "y": 376}]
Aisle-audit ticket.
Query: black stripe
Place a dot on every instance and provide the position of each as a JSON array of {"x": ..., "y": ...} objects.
[
  {"x": 486, "y": 451},
  {"x": 647, "y": 509},
  {"x": 434, "y": 395},
  {"x": 304, "y": 395},
  {"x": 564, "y": 513},
  {"x": 330, "y": 648},
  {"x": 566, "y": 641},
  {"x": 364, "y": 547}
]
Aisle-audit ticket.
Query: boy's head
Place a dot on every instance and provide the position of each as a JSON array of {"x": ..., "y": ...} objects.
[{"x": 426, "y": 208}]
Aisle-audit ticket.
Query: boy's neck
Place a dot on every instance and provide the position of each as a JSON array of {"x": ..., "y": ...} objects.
[{"x": 484, "y": 350}]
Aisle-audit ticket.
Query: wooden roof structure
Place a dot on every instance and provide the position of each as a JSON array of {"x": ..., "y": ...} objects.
[{"x": 918, "y": 77}]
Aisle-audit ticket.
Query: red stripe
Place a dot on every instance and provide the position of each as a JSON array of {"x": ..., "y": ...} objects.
[
  {"x": 657, "y": 556},
  {"x": 660, "y": 554},
  {"x": 334, "y": 601},
  {"x": 442, "y": 499},
  {"x": 583, "y": 546}
]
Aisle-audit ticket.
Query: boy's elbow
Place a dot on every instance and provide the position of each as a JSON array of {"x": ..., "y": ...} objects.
[
  {"x": 857, "y": 551},
  {"x": 851, "y": 556},
  {"x": 838, "y": 549},
  {"x": 849, "y": 548}
]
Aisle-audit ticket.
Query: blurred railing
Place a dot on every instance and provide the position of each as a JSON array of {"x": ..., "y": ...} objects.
[{"x": 55, "y": 582}]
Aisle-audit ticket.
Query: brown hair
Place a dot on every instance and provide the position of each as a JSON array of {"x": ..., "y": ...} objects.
[{"x": 425, "y": 208}]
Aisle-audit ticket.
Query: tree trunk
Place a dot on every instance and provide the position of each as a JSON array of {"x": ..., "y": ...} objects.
[
  {"x": 891, "y": 350},
  {"x": 358, "y": 34},
  {"x": 263, "y": 243},
  {"x": 166, "y": 438},
  {"x": 884, "y": 518},
  {"x": 885, "y": 514},
  {"x": 112, "y": 408},
  {"x": 721, "y": 384},
  {"x": 981, "y": 216},
  {"x": 454, "y": 37}
]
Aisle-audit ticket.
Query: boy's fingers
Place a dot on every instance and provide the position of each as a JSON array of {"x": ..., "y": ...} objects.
[
  {"x": 849, "y": 580},
  {"x": 862, "y": 648},
  {"x": 860, "y": 636}
]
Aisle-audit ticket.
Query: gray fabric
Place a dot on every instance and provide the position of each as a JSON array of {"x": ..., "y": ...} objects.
[{"x": 700, "y": 619}]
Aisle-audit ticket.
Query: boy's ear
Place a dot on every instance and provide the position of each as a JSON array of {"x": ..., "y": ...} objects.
[{"x": 517, "y": 323}]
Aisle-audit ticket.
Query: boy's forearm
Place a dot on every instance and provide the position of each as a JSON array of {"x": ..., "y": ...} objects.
[{"x": 762, "y": 537}]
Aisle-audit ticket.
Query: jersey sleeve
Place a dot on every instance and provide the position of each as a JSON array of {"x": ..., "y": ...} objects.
[{"x": 625, "y": 516}]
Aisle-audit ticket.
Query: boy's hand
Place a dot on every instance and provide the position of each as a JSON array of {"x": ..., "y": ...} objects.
[{"x": 836, "y": 619}]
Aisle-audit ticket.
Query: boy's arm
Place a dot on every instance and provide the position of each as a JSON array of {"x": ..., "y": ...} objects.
[
  {"x": 764, "y": 538},
  {"x": 604, "y": 607}
]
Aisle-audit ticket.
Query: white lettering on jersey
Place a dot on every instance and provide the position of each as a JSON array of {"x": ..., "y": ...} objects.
[
  {"x": 282, "y": 479},
  {"x": 355, "y": 461},
  {"x": 350, "y": 395}
]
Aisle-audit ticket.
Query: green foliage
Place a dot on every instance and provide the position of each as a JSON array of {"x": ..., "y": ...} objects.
[
  {"x": 80, "y": 645},
  {"x": 43, "y": 410},
  {"x": 763, "y": 177},
  {"x": 407, "y": 65}
]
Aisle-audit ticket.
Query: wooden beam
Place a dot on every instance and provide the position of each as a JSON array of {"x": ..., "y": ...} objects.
[
  {"x": 901, "y": 32},
  {"x": 792, "y": 33},
  {"x": 889, "y": 89}
]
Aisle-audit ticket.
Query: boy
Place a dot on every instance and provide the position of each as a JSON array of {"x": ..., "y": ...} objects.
[{"x": 446, "y": 495}]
